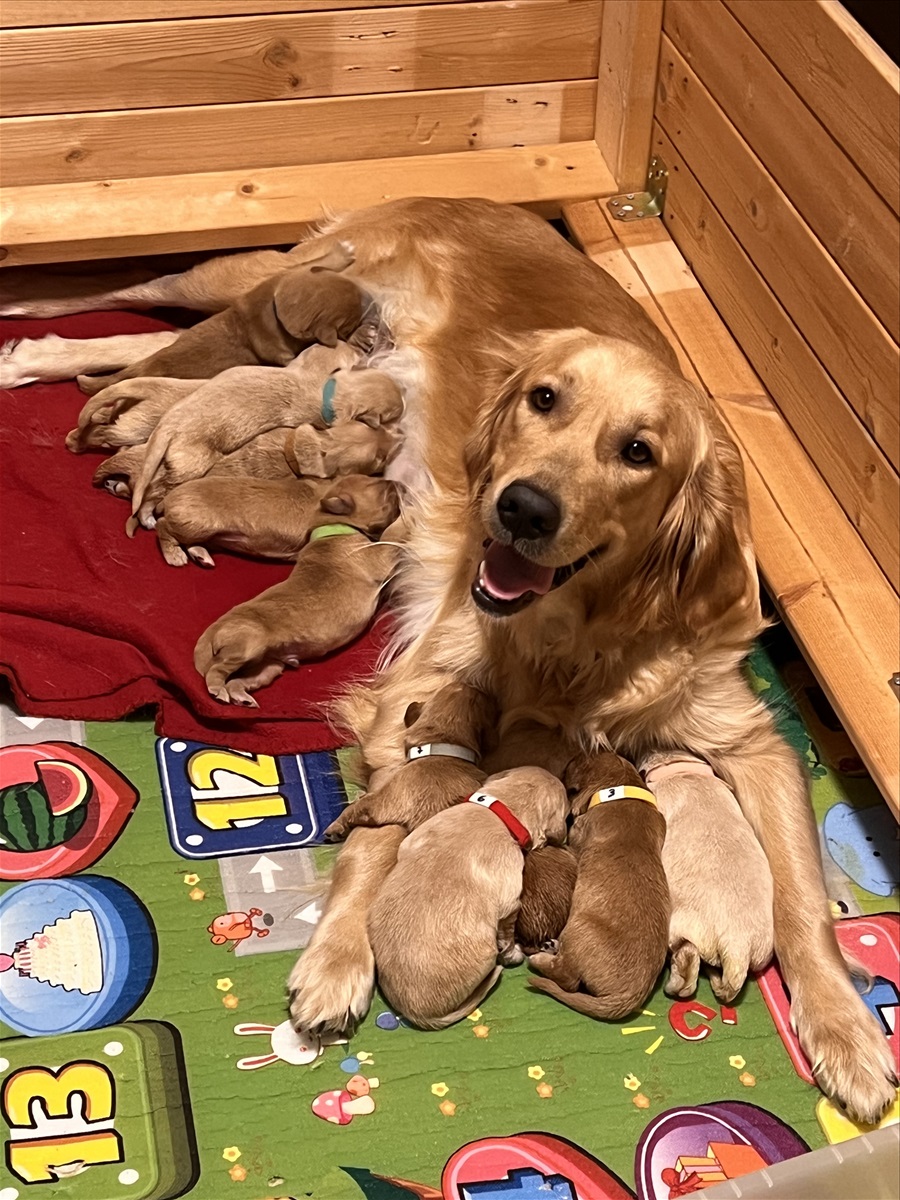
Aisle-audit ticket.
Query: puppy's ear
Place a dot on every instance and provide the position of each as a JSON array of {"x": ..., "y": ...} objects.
[
  {"x": 413, "y": 712},
  {"x": 341, "y": 504},
  {"x": 699, "y": 564},
  {"x": 325, "y": 333},
  {"x": 303, "y": 449}
]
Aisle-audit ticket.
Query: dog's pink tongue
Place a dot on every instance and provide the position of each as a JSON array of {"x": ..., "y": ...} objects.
[{"x": 508, "y": 575}]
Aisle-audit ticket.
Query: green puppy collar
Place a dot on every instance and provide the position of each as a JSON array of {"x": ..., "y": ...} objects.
[{"x": 324, "y": 531}]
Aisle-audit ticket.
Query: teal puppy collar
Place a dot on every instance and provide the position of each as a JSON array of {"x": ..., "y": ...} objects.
[
  {"x": 442, "y": 749},
  {"x": 328, "y": 390}
]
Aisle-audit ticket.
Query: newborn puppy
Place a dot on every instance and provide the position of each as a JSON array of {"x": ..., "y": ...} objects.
[
  {"x": 227, "y": 412},
  {"x": 328, "y": 600},
  {"x": 270, "y": 518},
  {"x": 443, "y": 746},
  {"x": 444, "y": 917},
  {"x": 127, "y": 413},
  {"x": 615, "y": 940},
  {"x": 719, "y": 878},
  {"x": 262, "y": 458},
  {"x": 548, "y": 884},
  {"x": 270, "y": 324}
]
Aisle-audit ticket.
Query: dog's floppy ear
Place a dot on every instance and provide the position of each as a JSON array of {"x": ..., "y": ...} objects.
[
  {"x": 340, "y": 503},
  {"x": 325, "y": 333},
  {"x": 303, "y": 449},
  {"x": 479, "y": 447},
  {"x": 699, "y": 563},
  {"x": 413, "y": 712}
]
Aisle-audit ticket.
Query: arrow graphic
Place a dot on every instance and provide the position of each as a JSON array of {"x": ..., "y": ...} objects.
[
  {"x": 265, "y": 868},
  {"x": 311, "y": 913}
]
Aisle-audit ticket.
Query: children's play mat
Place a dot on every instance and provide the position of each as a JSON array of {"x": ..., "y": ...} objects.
[{"x": 155, "y": 895}]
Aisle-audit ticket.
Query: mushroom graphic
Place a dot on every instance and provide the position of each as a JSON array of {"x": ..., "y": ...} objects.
[{"x": 343, "y": 1104}]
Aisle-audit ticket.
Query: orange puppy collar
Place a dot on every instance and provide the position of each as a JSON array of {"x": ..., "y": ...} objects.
[
  {"x": 628, "y": 792},
  {"x": 509, "y": 819}
]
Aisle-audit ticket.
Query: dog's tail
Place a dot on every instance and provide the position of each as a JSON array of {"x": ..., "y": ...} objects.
[
  {"x": 157, "y": 447},
  {"x": 465, "y": 1008},
  {"x": 601, "y": 1008}
]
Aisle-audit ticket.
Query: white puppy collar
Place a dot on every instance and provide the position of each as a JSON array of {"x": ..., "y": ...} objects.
[{"x": 443, "y": 750}]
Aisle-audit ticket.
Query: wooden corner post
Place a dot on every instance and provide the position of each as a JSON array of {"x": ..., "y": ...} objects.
[{"x": 626, "y": 87}]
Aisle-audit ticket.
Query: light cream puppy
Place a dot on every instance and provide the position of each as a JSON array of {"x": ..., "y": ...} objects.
[
  {"x": 719, "y": 878},
  {"x": 445, "y": 916}
]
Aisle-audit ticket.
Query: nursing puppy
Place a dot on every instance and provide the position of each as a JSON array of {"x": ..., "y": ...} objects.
[
  {"x": 270, "y": 324},
  {"x": 126, "y": 413},
  {"x": 328, "y": 600},
  {"x": 269, "y": 518},
  {"x": 615, "y": 940},
  {"x": 443, "y": 747},
  {"x": 548, "y": 885},
  {"x": 347, "y": 448},
  {"x": 444, "y": 918},
  {"x": 719, "y": 878},
  {"x": 224, "y": 414}
]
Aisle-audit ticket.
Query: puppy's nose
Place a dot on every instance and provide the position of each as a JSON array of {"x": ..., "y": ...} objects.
[{"x": 526, "y": 512}]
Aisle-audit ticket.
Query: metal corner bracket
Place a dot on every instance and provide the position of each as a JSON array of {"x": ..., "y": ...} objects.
[
  {"x": 894, "y": 681},
  {"x": 634, "y": 206}
]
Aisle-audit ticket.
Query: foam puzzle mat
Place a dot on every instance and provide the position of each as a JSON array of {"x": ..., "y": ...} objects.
[{"x": 155, "y": 895}]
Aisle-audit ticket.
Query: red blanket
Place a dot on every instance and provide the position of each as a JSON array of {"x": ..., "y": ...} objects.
[{"x": 92, "y": 625}]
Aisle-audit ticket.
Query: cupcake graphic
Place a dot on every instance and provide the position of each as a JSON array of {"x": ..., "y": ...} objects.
[{"x": 66, "y": 954}]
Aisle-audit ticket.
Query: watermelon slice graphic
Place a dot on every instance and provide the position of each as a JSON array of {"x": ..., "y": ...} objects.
[{"x": 46, "y": 812}]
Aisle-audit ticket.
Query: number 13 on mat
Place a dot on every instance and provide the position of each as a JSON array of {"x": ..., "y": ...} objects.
[{"x": 221, "y": 802}]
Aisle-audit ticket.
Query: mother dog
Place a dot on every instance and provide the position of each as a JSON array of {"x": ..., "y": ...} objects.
[{"x": 579, "y": 546}]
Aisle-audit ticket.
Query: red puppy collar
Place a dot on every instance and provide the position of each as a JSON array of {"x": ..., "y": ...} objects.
[{"x": 509, "y": 819}]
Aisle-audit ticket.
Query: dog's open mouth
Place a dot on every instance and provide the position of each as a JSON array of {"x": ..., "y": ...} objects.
[{"x": 507, "y": 582}]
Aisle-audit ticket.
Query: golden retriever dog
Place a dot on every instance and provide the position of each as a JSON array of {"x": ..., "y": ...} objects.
[
  {"x": 239, "y": 404},
  {"x": 442, "y": 925},
  {"x": 444, "y": 737},
  {"x": 614, "y": 943},
  {"x": 268, "y": 518},
  {"x": 328, "y": 599},
  {"x": 719, "y": 878},
  {"x": 579, "y": 546}
]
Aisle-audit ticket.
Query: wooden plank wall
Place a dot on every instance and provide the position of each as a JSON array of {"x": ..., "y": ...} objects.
[
  {"x": 778, "y": 120},
  {"x": 96, "y": 89}
]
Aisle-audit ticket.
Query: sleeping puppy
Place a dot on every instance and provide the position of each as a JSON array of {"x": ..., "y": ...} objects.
[
  {"x": 615, "y": 940},
  {"x": 548, "y": 884},
  {"x": 443, "y": 746},
  {"x": 328, "y": 600},
  {"x": 444, "y": 917},
  {"x": 719, "y": 878},
  {"x": 268, "y": 518},
  {"x": 270, "y": 324},
  {"x": 126, "y": 413},
  {"x": 227, "y": 412},
  {"x": 347, "y": 448}
]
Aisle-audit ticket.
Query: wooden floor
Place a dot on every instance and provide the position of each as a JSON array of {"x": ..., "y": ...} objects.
[{"x": 829, "y": 590}]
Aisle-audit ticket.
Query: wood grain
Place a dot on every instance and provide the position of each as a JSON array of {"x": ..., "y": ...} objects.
[
  {"x": 160, "y": 64},
  {"x": 828, "y": 588},
  {"x": 841, "y": 206},
  {"x": 22, "y": 13},
  {"x": 843, "y": 75},
  {"x": 861, "y": 478},
  {"x": 170, "y": 141},
  {"x": 626, "y": 85},
  {"x": 112, "y": 218},
  {"x": 848, "y": 339}
]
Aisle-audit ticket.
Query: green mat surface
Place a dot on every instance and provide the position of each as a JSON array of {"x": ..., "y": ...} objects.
[{"x": 129, "y": 971}]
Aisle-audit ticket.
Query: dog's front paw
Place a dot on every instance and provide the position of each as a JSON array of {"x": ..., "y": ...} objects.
[
  {"x": 18, "y": 362},
  {"x": 332, "y": 983},
  {"x": 851, "y": 1058}
]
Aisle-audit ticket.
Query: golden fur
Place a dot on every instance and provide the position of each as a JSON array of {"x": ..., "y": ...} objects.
[
  {"x": 444, "y": 917},
  {"x": 642, "y": 648}
]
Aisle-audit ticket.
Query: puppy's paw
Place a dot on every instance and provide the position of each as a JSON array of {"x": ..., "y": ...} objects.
[
  {"x": 684, "y": 968},
  {"x": 201, "y": 556},
  {"x": 332, "y": 984},
  {"x": 510, "y": 956},
  {"x": 118, "y": 487},
  {"x": 851, "y": 1058},
  {"x": 238, "y": 694},
  {"x": 174, "y": 555}
]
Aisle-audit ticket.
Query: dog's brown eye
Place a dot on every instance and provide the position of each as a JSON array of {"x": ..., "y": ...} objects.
[
  {"x": 542, "y": 398},
  {"x": 638, "y": 454}
]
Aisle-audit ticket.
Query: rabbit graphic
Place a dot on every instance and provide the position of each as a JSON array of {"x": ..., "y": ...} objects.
[{"x": 287, "y": 1046}]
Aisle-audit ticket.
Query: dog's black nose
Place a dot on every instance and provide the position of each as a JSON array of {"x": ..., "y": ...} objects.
[{"x": 526, "y": 512}]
